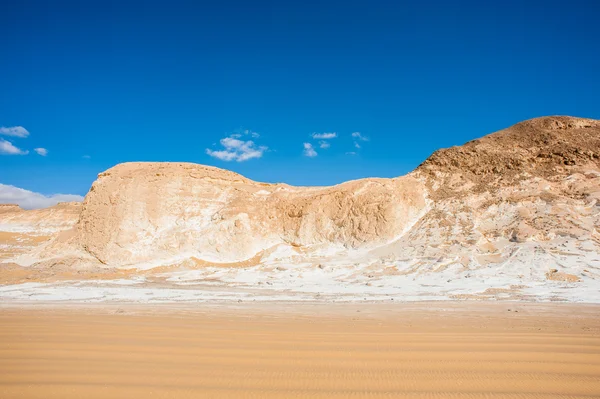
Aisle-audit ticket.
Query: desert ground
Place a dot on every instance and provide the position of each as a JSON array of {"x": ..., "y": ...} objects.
[{"x": 309, "y": 350}]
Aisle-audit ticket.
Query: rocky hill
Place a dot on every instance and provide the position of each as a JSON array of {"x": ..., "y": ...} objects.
[
  {"x": 143, "y": 212},
  {"x": 546, "y": 148},
  {"x": 41, "y": 221},
  {"x": 514, "y": 214},
  {"x": 22, "y": 231}
]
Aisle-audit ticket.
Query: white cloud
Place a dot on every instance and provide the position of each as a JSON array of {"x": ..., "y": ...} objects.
[
  {"x": 309, "y": 150},
  {"x": 324, "y": 144},
  {"x": 246, "y": 132},
  {"x": 356, "y": 136},
  {"x": 238, "y": 150},
  {"x": 359, "y": 136},
  {"x": 222, "y": 155},
  {"x": 30, "y": 200},
  {"x": 15, "y": 131},
  {"x": 324, "y": 136},
  {"x": 41, "y": 151},
  {"x": 7, "y": 148},
  {"x": 351, "y": 153}
]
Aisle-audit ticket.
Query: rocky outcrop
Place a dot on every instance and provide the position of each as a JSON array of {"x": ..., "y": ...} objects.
[
  {"x": 62, "y": 216},
  {"x": 24, "y": 231},
  {"x": 517, "y": 207},
  {"x": 547, "y": 148},
  {"x": 518, "y": 201},
  {"x": 5, "y": 208},
  {"x": 144, "y": 212}
]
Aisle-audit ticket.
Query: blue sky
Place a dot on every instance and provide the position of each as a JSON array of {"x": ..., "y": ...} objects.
[{"x": 96, "y": 83}]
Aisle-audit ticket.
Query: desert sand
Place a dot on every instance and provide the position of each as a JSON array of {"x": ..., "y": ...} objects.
[{"x": 425, "y": 350}]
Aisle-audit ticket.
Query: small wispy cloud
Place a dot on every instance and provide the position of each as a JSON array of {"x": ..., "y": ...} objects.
[
  {"x": 41, "y": 151},
  {"x": 7, "y": 148},
  {"x": 85, "y": 157},
  {"x": 351, "y": 153},
  {"x": 324, "y": 144},
  {"x": 238, "y": 150},
  {"x": 357, "y": 137},
  {"x": 245, "y": 132},
  {"x": 14, "y": 131},
  {"x": 31, "y": 200},
  {"x": 324, "y": 136},
  {"x": 309, "y": 150}
]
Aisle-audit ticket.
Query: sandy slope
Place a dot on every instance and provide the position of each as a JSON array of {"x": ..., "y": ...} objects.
[{"x": 310, "y": 351}]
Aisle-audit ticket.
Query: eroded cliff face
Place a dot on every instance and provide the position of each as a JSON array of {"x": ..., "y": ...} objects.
[
  {"x": 48, "y": 220},
  {"x": 516, "y": 211},
  {"x": 521, "y": 202},
  {"x": 548, "y": 148},
  {"x": 22, "y": 231},
  {"x": 143, "y": 212}
]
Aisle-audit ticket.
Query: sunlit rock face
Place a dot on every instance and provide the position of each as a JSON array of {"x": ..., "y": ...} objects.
[
  {"x": 139, "y": 212},
  {"x": 513, "y": 213}
]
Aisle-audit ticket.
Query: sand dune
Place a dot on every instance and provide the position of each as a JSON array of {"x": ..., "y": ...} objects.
[{"x": 304, "y": 351}]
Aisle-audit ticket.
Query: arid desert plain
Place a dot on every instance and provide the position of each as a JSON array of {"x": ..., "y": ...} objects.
[
  {"x": 477, "y": 275},
  {"x": 276, "y": 350}
]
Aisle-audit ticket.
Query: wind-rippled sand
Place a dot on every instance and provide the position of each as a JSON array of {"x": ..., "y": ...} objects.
[{"x": 422, "y": 350}]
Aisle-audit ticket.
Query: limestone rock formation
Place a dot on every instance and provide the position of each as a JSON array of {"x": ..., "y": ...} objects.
[
  {"x": 518, "y": 202},
  {"x": 507, "y": 215},
  {"x": 144, "y": 212},
  {"x": 22, "y": 231},
  {"x": 544, "y": 148},
  {"x": 39, "y": 221}
]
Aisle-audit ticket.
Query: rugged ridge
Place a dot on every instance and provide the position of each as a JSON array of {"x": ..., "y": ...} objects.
[
  {"x": 62, "y": 216},
  {"x": 140, "y": 212},
  {"x": 545, "y": 147},
  {"x": 514, "y": 214}
]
